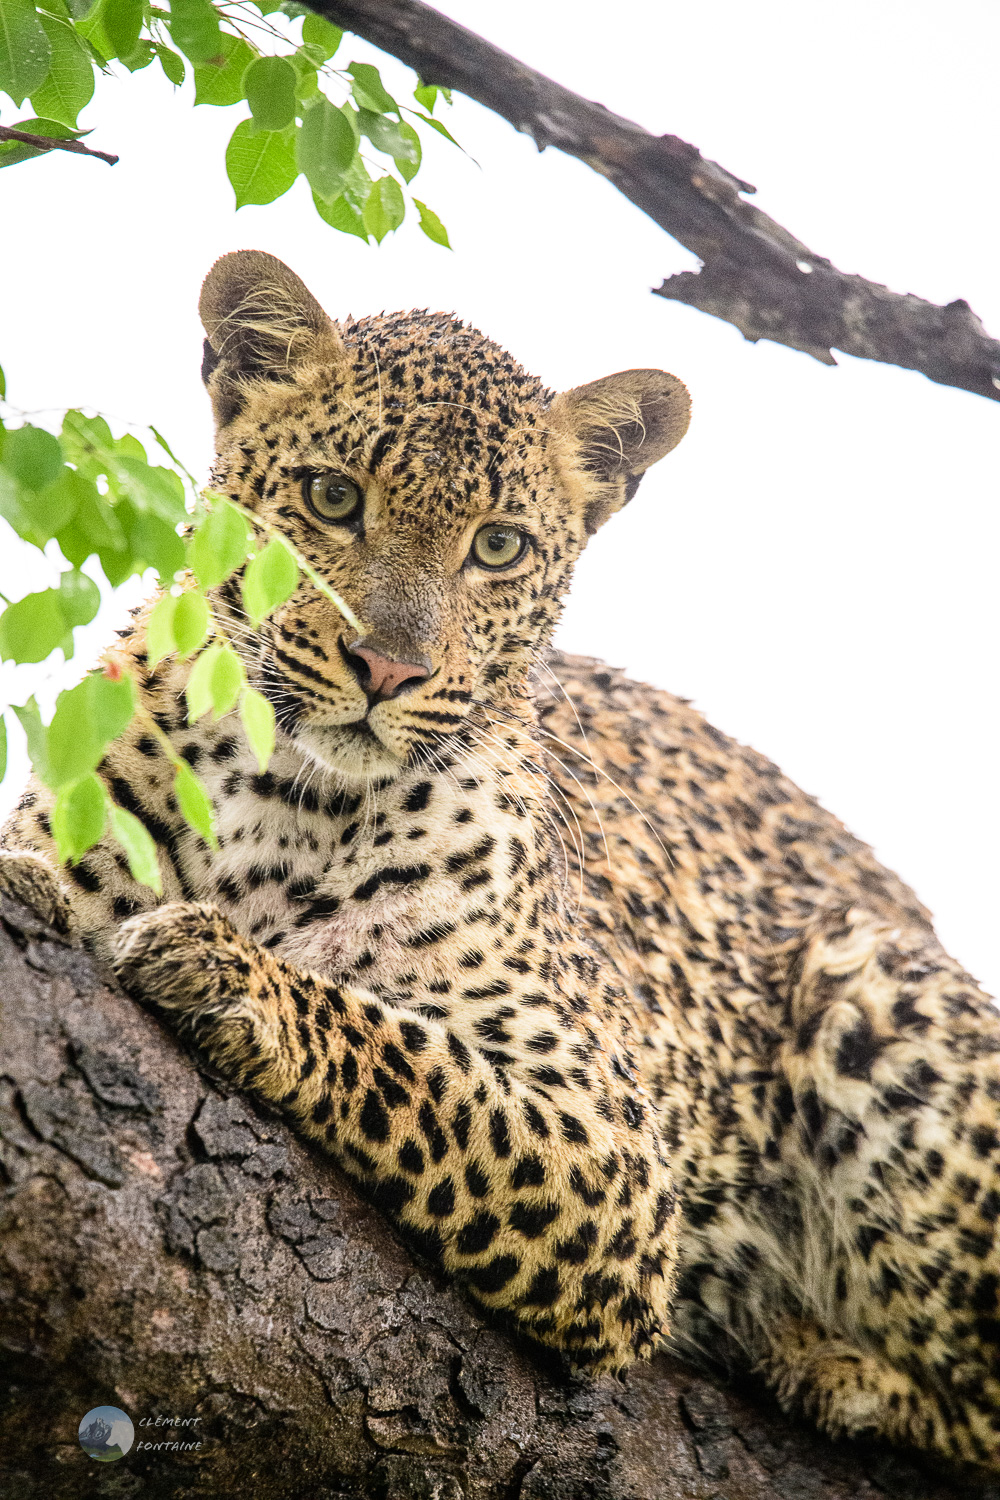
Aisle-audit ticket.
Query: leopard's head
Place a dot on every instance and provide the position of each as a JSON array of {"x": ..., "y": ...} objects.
[{"x": 439, "y": 489}]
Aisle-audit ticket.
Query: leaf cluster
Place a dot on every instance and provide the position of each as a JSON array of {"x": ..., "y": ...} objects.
[
  {"x": 99, "y": 498},
  {"x": 306, "y": 116}
]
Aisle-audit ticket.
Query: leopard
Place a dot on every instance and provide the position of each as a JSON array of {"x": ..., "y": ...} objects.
[{"x": 621, "y": 1030}]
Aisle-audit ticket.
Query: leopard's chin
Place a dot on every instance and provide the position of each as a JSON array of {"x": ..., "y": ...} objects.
[{"x": 351, "y": 752}]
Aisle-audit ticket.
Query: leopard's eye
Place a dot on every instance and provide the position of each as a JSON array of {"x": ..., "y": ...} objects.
[
  {"x": 498, "y": 546},
  {"x": 332, "y": 497}
]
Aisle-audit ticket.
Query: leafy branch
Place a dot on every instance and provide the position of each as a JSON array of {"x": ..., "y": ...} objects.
[
  {"x": 97, "y": 495},
  {"x": 242, "y": 52},
  {"x": 51, "y": 143}
]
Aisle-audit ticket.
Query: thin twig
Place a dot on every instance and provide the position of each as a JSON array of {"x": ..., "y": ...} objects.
[
  {"x": 755, "y": 275},
  {"x": 46, "y": 143}
]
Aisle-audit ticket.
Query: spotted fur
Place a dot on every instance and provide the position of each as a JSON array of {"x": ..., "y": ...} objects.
[{"x": 531, "y": 949}]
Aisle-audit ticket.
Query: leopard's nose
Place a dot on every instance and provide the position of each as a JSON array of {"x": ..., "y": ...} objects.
[{"x": 379, "y": 675}]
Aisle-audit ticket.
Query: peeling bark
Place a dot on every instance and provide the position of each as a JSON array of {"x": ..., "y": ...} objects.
[
  {"x": 167, "y": 1247},
  {"x": 756, "y": 275}
]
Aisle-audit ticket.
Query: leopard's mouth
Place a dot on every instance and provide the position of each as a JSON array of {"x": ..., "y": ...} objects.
[{"x": 353, "y": 751}]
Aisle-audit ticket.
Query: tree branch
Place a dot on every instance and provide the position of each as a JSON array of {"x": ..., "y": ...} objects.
[
  {"x": 756, "y": 274},
  {"x": 170, "y": 1248},
  {"x": 48, "y": 143}
]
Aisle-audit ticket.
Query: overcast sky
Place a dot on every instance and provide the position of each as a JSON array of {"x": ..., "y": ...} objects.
[{"x": 816, "y": 564}]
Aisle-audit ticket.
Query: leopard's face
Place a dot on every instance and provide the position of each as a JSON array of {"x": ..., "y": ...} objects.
[{"x": 433, "y": 484}]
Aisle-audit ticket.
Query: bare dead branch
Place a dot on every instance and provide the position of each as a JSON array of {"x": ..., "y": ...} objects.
[
  {"x": 48, "y": 143},
  {"x": 756, "y": 274}
]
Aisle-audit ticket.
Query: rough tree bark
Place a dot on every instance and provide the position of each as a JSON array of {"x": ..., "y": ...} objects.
[
  {"x": 168, "y": 1248},
  {"x": 755, "y": 274}
]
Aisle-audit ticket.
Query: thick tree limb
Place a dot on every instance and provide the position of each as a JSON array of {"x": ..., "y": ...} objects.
[
  {"x": 756, "y": 275},
  {"x": 49, "y": 143},
  {"x": 170, "y": 1249}
]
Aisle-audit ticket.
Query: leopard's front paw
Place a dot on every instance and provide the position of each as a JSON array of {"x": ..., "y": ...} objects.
[
  {"x": 184, "y": 958},
  {"x": 30, "y": 880}
]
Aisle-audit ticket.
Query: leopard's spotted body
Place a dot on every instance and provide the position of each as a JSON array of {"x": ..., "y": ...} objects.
[{"x": 533, "y": 950}]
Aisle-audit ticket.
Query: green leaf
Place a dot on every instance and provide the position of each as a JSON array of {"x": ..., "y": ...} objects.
[
  {"x": 151, "y": 488},
  {"x": 260, "y": 164},
  {"x": 33, "y": 627},
  {"x": 368, "y": 89},
  {"x": 441, "y": 130},
  {"x": 56, "y": 505},
  {"x": 3, "y": 748},
  {"x": 198, "y": 691},
  {"x": 25, "y": 51},
  {"x": 195, "y": 803},
  {"x": 87, "y": 718},
  {"x": 220, "y": 82},
  {"x": 95, "y": 38},
  {"x": 431, "y": 224},
  {"x": 35, "y": 734},
  {"x": 322, "y": 34},
  {"x": 271, "y": 578},
  {"x": 87, "y": 442},
  {"x": 153, "y": 543},
  {"x": 215, "y": 682},
  {"x": 79, "y": 817},
  {"x": 94, "y": 527},
  {"x": 258, "y": 721},
  {"x": 219, "y": 545},
  {"x": 37, "y": 516},
  {"x": 228, "y": 680},
  {"x": 353, "y": 118},
  {"x": 194, "y": 29},
  {"x": 409, "y": 165},
  {"x": 306, "y": 79},
  {"x": 168, "y": 450},
  {"x": 357, "y": 185},
  {"x": 70, "y": 82},
  {"x": 79, "y": 597},
  {"x": 122, "y": 23},
  {"x": 325, "y": 147},
  {"x": 160, "y": 641},
  {"x": 190, "y": 622},
  {"x": 173, "y": 66},
  {"x": 343, "y": 215},
  {"x": 141, "y": 56},
  {"x": 384, "y": 208},
  {"x": 401, "y": 142},
  {"x": 3, "y": 385},
  {"x": 140, "y": 850},
  {"x": 269, "y": 86},
  {"x": 33, "y": 456},
  {"x": 425, "y": 95}
]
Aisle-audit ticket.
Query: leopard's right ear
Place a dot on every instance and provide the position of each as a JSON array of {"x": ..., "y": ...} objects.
[{"x": 261, "y": 322}]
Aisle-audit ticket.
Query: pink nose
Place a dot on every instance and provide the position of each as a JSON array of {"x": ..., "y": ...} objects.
[{"x": 381, "y": 676}]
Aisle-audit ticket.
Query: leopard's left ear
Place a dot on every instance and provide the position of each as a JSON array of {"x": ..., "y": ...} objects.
[{"x": 618, "y": 426}]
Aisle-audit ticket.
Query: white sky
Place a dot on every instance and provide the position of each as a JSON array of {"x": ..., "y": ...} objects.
[{"x": 816, "y": 564}]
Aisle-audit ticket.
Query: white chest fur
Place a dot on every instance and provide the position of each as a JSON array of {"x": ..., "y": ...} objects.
[{"x": 351, "y": 882}]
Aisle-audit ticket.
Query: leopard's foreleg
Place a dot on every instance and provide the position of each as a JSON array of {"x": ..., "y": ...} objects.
[{"x": 560, "y": 1214}]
